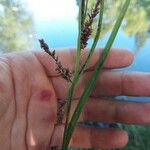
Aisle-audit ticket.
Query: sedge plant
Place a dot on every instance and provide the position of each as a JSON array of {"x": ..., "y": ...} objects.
[{"x": 85, "y": 22}]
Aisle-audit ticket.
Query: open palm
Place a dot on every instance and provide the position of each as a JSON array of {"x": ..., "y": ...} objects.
[{"x": 30, "y": 90}]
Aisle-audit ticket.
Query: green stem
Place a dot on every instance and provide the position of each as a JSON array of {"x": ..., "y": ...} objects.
[
  {"x": 92, "y": 80},
  {"x": 82, "y": 13},
  {"x": 86, "y": 8},
  {"x": 77, "y": 76},
  {"x": 76, "y": 71}
]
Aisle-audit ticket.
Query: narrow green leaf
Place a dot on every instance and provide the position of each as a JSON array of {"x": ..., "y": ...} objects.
[
  {"x": 98, "y": 68},
  {"x": 76, "y": 72},
  {"x": 82, "y": 13},
  {"x": 86, "y": 8}
]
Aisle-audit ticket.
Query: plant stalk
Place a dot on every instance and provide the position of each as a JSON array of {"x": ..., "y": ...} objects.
[
  {"x": 97, "y": 70},
  {"x": 76, "y": 72}
]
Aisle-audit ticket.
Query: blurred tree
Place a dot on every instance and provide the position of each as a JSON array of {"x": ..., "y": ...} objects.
[
  {"x": 137, "y": 19},
  {"x": 138, "y": 22},
  {"x": 138, "y": 137},
  {"x": 16, "y": 26},
  {"x": 78, "y": 2}
]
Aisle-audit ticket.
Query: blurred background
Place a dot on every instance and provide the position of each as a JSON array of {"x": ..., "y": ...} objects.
[{"x": 22, "y": 22}]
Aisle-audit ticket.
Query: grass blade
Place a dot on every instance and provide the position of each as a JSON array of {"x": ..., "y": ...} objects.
[
  {"x": 92, "y": 80},
  {"x": 76, "y": 72},
  {"x": 82, "y": 13}
]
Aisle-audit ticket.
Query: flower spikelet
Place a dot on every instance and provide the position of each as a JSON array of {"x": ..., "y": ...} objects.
[{"x": 64, "y": 72}]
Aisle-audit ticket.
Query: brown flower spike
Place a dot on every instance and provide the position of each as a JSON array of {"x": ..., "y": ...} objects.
[
  {"x": 64, "y": 72},
  {"x": 87, "y": 28}
]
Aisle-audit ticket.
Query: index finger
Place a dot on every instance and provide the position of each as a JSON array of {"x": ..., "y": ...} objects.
[{"x": 117, "y": 58}]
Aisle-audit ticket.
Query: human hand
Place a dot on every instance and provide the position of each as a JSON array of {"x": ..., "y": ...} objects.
[{"x": 30, "y": 90}]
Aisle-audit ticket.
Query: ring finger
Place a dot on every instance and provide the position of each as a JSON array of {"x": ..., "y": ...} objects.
[{"x": 114, "y": 111}]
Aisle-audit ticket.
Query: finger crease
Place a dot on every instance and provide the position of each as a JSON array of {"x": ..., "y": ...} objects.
[{"x": 123, "y": 75}]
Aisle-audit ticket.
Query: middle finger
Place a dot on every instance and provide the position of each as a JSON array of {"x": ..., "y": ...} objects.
[
  {"x": 107, "y": 110},
  {"x": 109, "y": 83}
]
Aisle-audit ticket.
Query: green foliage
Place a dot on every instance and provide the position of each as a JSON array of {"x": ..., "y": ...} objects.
[
  {"x": 138, "y": 137},
  {"x": 15, "y": 26}
]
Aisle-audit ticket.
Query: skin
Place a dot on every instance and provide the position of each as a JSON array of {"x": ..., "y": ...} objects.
[{"x": 30, "y": 89}]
